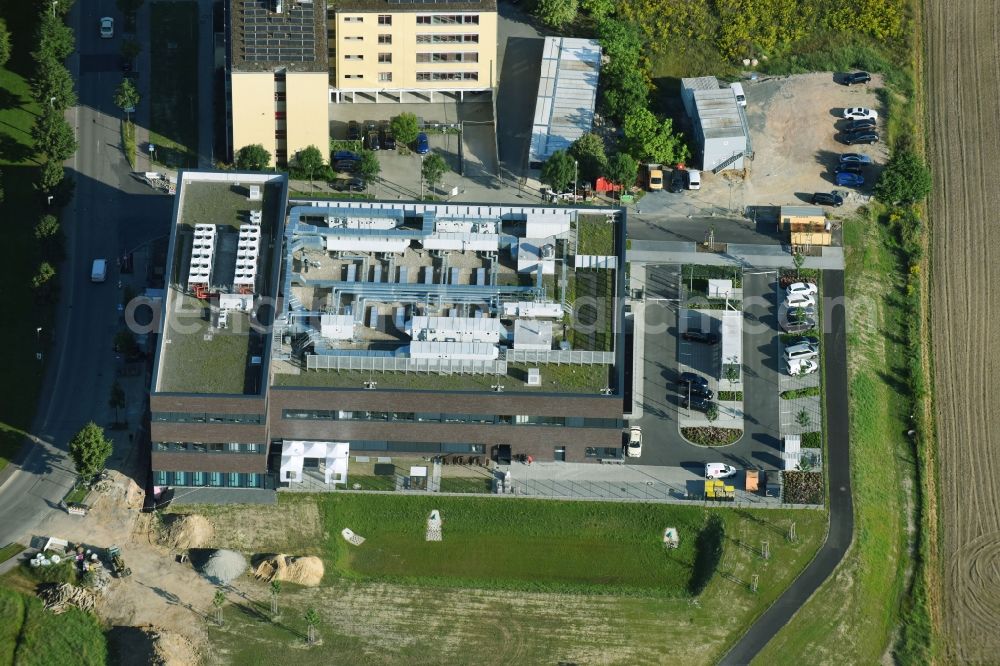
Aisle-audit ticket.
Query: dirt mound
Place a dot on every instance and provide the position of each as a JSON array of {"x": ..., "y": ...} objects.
[
  {"x": 170, "y": 649},
  {"x": 224, "y": 566},
  {"x": 186, "y": 531},
  {"x": 306, "y": 571}
]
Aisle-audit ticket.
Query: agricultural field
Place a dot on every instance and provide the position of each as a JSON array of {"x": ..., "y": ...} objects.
[
  {"x": 536, "y": 581},
  {"x": 963, "y": 106}
]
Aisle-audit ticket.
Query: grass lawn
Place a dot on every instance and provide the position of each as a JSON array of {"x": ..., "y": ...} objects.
[
  {"x": 466, "y": 484},
  {"x": 536, "y": 581},
  {"x": 20, "y": 254},
  {"x": 31, "y": 635},
  {"x": 174, "y": 94},
  {"x": 869, "y": 582},
  {"x": 77, "y": 495},
  {"x": 9, "y": 551}
]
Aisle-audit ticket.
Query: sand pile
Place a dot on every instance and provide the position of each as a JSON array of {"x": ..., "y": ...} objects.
[
  {"x": 186, "y": 531},
  {"x": 306, "y": 571},
  {"x": 224, "y": 566},
  {"x": 170, "y": 649}
]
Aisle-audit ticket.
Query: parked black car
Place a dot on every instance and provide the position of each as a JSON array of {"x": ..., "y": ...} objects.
[
  {"x": 387, "y": 138},
  {"x": 677, "y": 181},
  {"x": 349, "y": 185},
  {"x": 698, "y": 403},
  {"x": 372, "y": 141},
  {"x": 803, "y": 340},
  {"x": 701, "y": 336},
  {"x": 863, "y": 136},
  {"x": 827, "y": 199},
  {"x": 692, "y": 378},
  {"x": 353, "y": 131},
  {"x": 695, "y": 391},
  {"x": 860, "y": 124},
  {"x": 857, "y": 77},
  {"x": 799, "y": 320}
]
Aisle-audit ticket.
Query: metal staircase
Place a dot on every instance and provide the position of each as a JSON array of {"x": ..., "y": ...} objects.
[{"x": 727, "y": 162}]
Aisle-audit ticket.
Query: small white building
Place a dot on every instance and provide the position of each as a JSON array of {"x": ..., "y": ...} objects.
[
  {"x": 336, "y": 327},
  {"x": 533, "y": 334},
  {"x": 536, "y": 254}
]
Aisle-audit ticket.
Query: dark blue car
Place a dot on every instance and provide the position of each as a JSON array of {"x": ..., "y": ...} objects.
[
  {"x": 850, "y": 179},
  {"x": 423, "y": 147}
]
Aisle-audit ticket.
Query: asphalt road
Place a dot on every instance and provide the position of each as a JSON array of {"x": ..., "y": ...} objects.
[
  {"x": 841, "y": 531},
  {"x": 110, "y": 212}
]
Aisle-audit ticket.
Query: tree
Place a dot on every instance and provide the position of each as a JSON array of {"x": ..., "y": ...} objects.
[
  {"x": 629, "y": 91},
  {"x": 732, "y": 371},
  {"x": 556, "y": 13},
  {"x": 312, "y": 619},
  {"x": 54, "y": 38},
  {"x": 798, "y": 259},
  {"x": 803, "y": 419},
  {"x": 47, "y": 227},
  {"x": 61, "y": 8},
  {"x": 588, "y": 150},
  {"x": 905, "y": 179},
  {"x": 90, "y": 449},
  {"x": 126, "y": 96},
  {"x": 116, "y": 399},
  {"x": 275, "y": 590},
  {"x": 218, "y": 601},
  {"x": 433, "y": 169},
  {"x": 52, "y": 86},
  {"x": 51, "y": 175},
  {"x": 405, "y": 128},
  {"x": 649, "y": 138},
  {"x": 625, "y": 77},
  {"x": 131, "y": 49},
  {"x": 252, "y": 158},
  {"x": 558, "y": 171},
  {"x": 368, "y": 166},
  {"x": 598, "y": 9},
  {"x": 309, "y": 160},
  {"x": 45, "y": 273},
  {"x": 712, "y": 413},
  {"x": 53, "y": 135},
  {"x": 125, "y": 343},
  {"x": 623, "y": 170},
  {"x": 5, "y": 48}
]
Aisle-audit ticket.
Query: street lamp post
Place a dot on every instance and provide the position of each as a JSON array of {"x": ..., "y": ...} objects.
[
  {"x": 52, "y": 102},
  {"x": 576, "y": 165},
  {"x": 54, "y": 3}
]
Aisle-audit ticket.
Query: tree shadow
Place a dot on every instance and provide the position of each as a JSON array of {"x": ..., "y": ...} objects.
[{"x": 12, "y": 150}]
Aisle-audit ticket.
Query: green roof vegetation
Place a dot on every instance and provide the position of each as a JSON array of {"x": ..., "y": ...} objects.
[{"x": 595, "y": 235}]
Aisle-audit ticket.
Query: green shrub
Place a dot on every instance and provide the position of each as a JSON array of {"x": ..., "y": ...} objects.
[{"x": 803, "y": 487}]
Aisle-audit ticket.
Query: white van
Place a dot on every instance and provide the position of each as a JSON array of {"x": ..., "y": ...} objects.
[
  {"x": 737, "y": 87},
  {"x": 99, "y": 270},
  {"x": 694, "y": 179}
]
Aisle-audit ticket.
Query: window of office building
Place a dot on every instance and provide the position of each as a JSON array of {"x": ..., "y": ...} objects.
[
  {"x": 234, "y": 479},
  {"x": 448, "y": 39},
  {"x": 354, "y": 76},
  {"x": 354, "y": 19},
  {"x": 354, "y": 57},
  {"x": 447, "y": 76},
  {"x": 385, "y": 57},
  {"x": 447, "y": 57},
  {"x": 253, "y": 480},
  {"x": 159, "y": 478},
  {"x": 385, "y": 39},
  {"x": 197, "y": 478},
  {"x": 385, "y": 19},
  {"x": 215, "y": 478},
  {"x": 447, "y": 19},
  {"x": 353, "y": 38},
  {"x": 180, "y": 478}
]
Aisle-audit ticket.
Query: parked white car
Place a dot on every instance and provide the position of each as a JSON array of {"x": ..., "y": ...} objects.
[
  {"x": 801, "y": 366},
  {"x": 800, "y": 351},
  {"x": 634, "y": 448},
  {"x": 802, "y": 288},
  {"x": 860, "y": 113},
  {"x": 719, "y": 471},
  {"x": 800, "y": 300}
]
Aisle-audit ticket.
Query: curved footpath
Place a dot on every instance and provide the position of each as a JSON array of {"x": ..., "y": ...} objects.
[{"x": 841, "y": 531}]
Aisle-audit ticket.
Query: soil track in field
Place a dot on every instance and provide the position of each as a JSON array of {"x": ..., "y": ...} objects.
[{"x": 963, "y": 92}]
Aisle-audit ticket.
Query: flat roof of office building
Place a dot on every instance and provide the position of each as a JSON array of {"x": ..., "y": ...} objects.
[
  {"x": 196, "y": 354},
  {"x": 415, "y": 5},
  {"x": 567, "y": 92}
]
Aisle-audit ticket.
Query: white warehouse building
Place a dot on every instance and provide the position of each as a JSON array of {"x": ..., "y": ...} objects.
[{"x": 722, "y": 136}]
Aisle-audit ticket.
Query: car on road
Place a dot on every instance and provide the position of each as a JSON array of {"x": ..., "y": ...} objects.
[
  {"x": 692, "y": 378},
  {"x": 802, "y": 366},
  {"x": 858, "y": 125},
  {"x": 719, "y": 471},
  {"x": 860, "y": 113},
  {"x": 827, "y": 199},
  {"x": 634, "y": 447},
  {"x": 423, "y": 145},
  {"x": 677, "y": 180},
  {"x": 859, "y": 137},
  {"x": 800, "y": 351},
  {"x": 697, "y": 402},
  {"x": 801, "y": 288},
  {"x": 353, "y": 130},
  {"x": 855, "y": 158},
  {"x": 107, "y": 25},
  {"x": 703, "y": 337},
  {"x": 856, "y": 77},
  {"x": 849, "y": 179},
  {"x": 695, "y": 390},
  {"x": 800, "y": 300}
]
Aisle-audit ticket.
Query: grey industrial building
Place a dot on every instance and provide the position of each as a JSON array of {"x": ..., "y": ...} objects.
[{"x": 722, "y": 135}]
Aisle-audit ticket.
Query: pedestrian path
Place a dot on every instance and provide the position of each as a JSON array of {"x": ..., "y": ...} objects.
[{"x": 746, "y": 255}]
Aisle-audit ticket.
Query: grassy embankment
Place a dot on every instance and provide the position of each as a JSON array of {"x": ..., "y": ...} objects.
[
  {"x": 31, "y": 635},
  {"x": 174, "y": 86},
  {"x": 520, "y": 568}
]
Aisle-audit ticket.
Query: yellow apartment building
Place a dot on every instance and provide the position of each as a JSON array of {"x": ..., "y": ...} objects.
[{"x": 387, "y": 48}]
